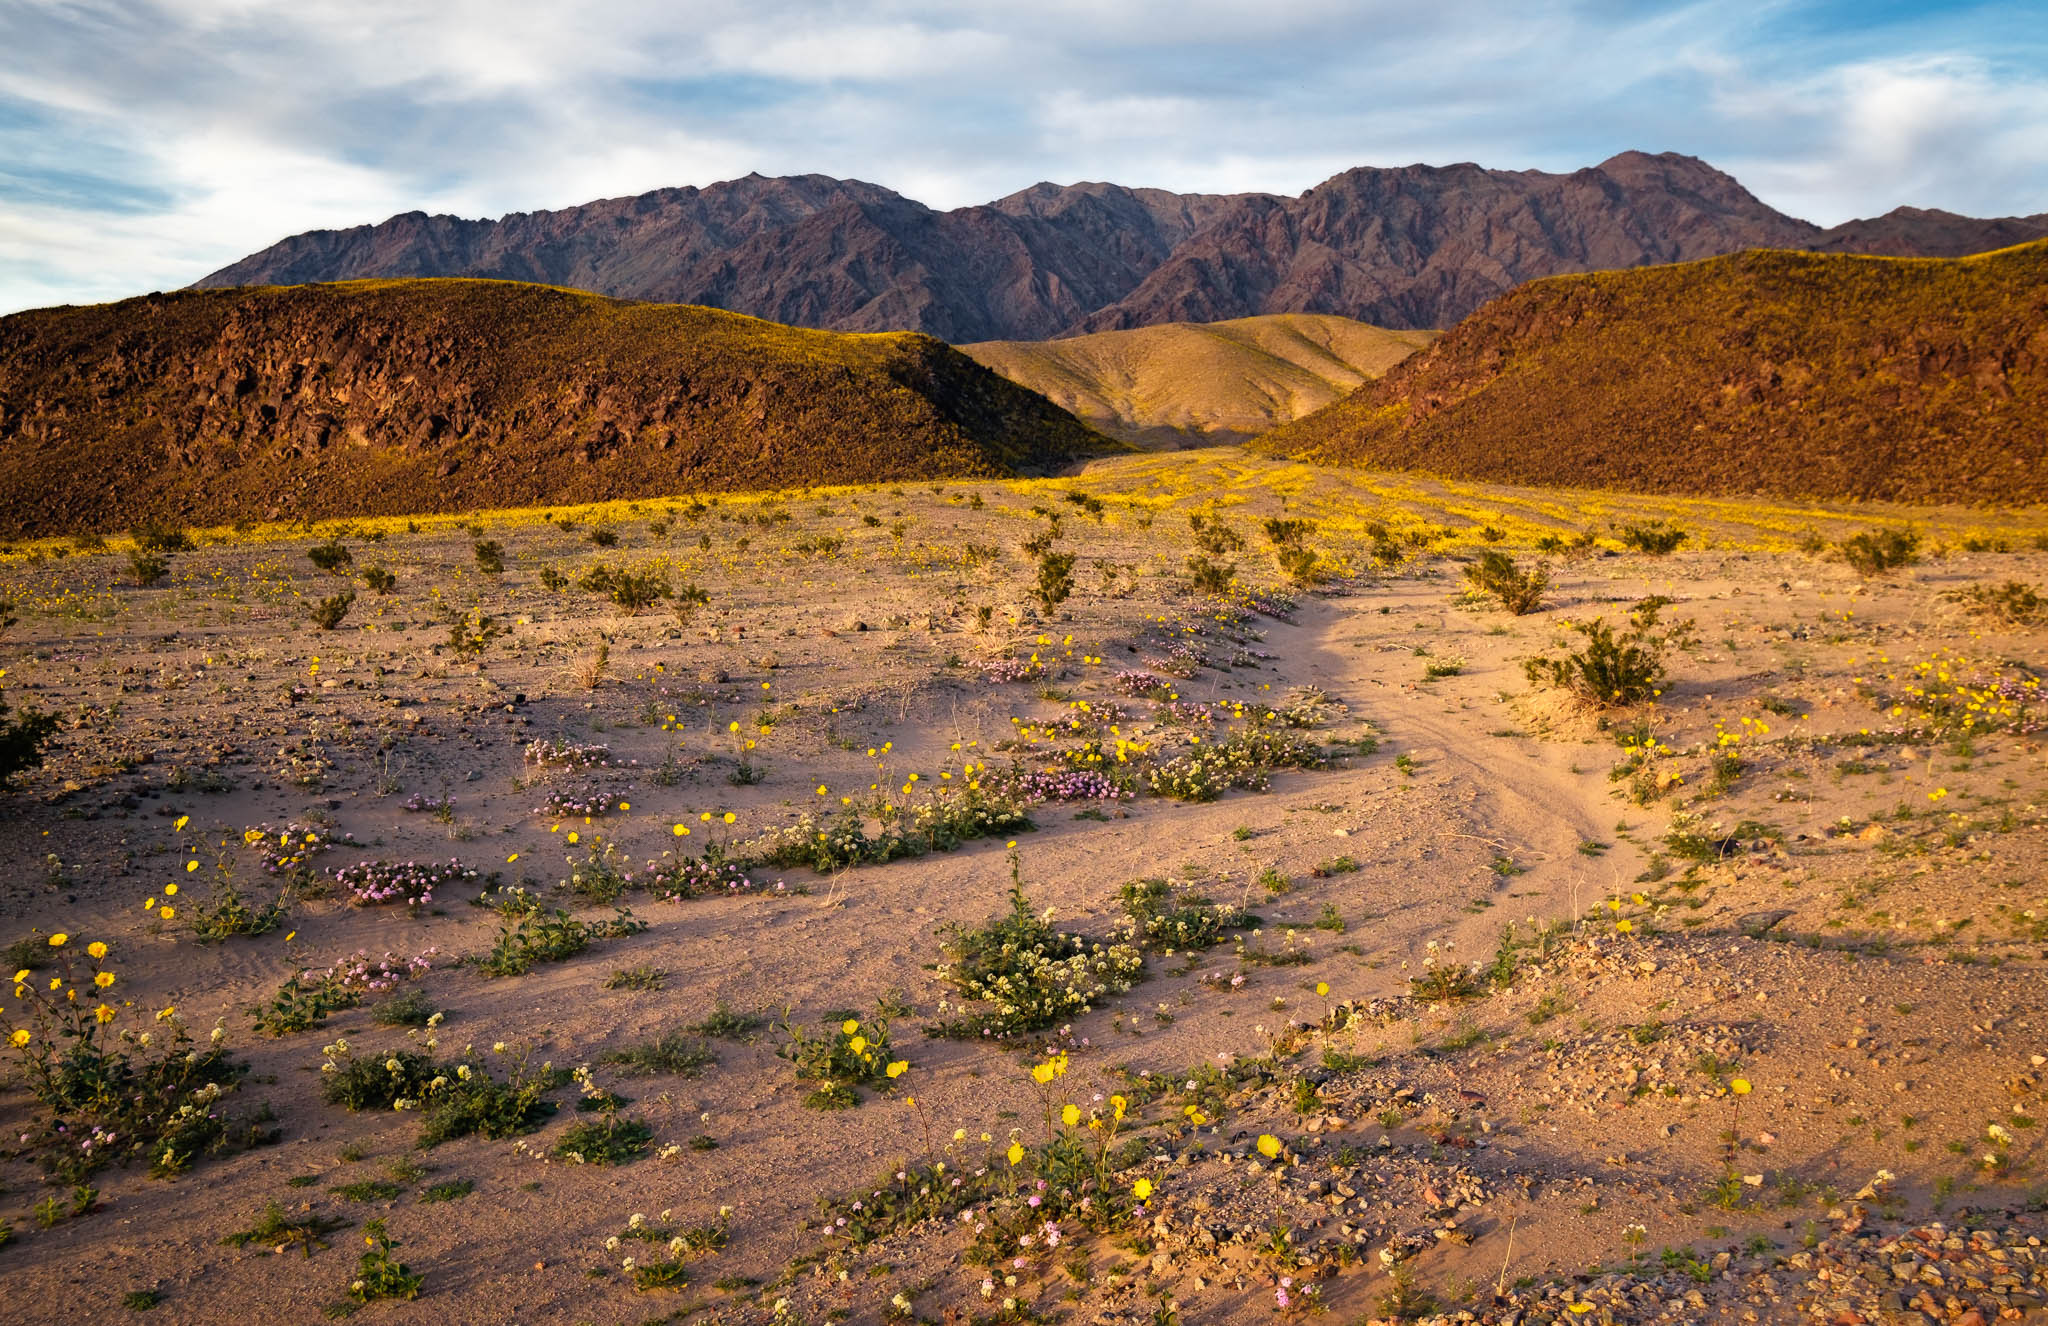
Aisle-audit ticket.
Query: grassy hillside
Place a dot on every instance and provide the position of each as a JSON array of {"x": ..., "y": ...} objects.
[
  {"x": 1793, "y": 374},
  {"x": 1189, "y": 384},
  {"x": 384, "y": 397}
]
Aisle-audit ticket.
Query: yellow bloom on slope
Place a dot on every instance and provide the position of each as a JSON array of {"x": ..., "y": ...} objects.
[
  {"x": 850, "y": 1026},
  {"x": 1269, "y": 1145},
  {"x": 1142, "y": 1189},
  {"x": 1016, "y": 1153},
  {"x": 1041, "y": 1073},
  {"x": 103, "y": 1013},
  {"x": 899, "y": 1068},
  {"x": 1740, "y": 1086},
  {"x": 21, "y": 976},
  {"x": 20, "y": 1038},
  {"x": 103, "y": 979},
  {"x": 1071, "y": 1115},
  {"x": 170, "y": 890},
  {"x": 1118, "y": 1104},
  {"x": 97, "y": 949},
  {"x": 858, "y": 1044},
  {"x": 59, "y": 939},
  {"x": 167, "y": 912}
]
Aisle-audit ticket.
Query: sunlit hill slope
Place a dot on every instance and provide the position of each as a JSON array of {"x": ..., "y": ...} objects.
[
  {"x": 1187, "y": 384},
  {"x": 382, "y": 397},
  {"x": 1794, "y": 374}
]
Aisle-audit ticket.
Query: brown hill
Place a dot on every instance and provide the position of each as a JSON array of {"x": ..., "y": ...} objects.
[
  {"x": 1412, "y": 246},
  {"x": 415, "y": 396},
  {"x": 1807, "y": 375},
  {"x": 1186, "y": 384}
]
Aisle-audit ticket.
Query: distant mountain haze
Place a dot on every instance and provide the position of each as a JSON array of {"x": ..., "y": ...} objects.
[{"x": 1406, "y": 247}]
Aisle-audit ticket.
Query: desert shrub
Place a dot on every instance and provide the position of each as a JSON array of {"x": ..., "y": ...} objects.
[
  {"x": 1300, "y": 565},
  {"x": 111, "y": 1095},
  {"x": 1284, "y": 533},
  {"x": 1656, "y": 538},
  {"x": 671, "y": 1055},
  {"x": 604, "y": 536},
  {"x": 1874, "y": 552},
  {"x": 687, "y": 598},
  {"x": 277, "y": 1230},
  {"x": 553, "y": 580},
  {"x": 378, "y": 580},
  {"x": 1612, "y": 668},
  {"x": 1209, "y": 577},
  {"x": 636, "y": 591},
  {"x": 1213, "y": 535},
  {"x": 852, "y": 1054},
  {"x": 229, "y": 913},
  {"x": 375, "y": 883},
  {"x": 1165, "y": 917},
  {"x": 161, "y": 538},
  {"x": 1519, "y": 591},
  {"x": 533, "y": 939},
  {"x": 147, "y": 567},
  {"x": 329, "y": 612},
  {"x": 911, "y": 830},
  {"x": 409, "y": 1009},
  {"x": 2014, "y": 603},
  {"x": 609, "y": 1140},
  {"x": 374, "y": 1082},
  {"x": 1022, "y": 975},
  {"x": 472, "y": 632},
  {"x": 1242, "y": 762},
  {"x": 490, "y": 556},
  {"x": 379, "y": 1275},
  {"x": 333, "y": 556},
  {"x": 22, "y": 738},
  {"x": 1055, "y": 579}
]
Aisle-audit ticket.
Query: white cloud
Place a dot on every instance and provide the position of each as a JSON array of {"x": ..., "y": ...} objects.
[{"x": 164, "y": 138}]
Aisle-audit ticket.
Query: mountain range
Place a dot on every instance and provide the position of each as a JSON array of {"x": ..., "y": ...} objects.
[
  {"x": 1791, "y": 374},
  {"x": 394, "y": 397},
  {"x": 1407, "y": 247}
]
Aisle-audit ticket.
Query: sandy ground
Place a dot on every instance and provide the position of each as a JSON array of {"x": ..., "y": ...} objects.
[{"x": 1851, "y": 924}]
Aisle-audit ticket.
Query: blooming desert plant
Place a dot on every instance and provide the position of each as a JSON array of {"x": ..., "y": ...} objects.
[{"x": 1023, "y": 975}]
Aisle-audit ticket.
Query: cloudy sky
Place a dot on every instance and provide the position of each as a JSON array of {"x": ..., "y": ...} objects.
[{"x": 145, "y": 144}]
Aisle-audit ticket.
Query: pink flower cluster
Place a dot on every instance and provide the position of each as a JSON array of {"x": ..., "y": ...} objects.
[
  {"x": 374, "y": 883},
  {"x": 1012, "y": 669},
  {"x": 1068, "y": 785},
  {"x": 359, "y": 971}
]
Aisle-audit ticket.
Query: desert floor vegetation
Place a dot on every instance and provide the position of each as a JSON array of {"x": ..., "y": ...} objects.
[{"x": 1191, "y": 888}]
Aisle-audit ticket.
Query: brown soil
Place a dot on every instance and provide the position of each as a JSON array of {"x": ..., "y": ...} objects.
[{"x": 1868, "y": 957}]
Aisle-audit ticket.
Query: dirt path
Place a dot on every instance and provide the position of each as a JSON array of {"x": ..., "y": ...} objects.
[{"x": 1524, "y": 800}]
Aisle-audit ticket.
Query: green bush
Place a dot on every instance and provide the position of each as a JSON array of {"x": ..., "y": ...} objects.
[
  {"x": 331, "y": 556},
  {"x": 1520, "y": 592},
  {"x": 1164, "y": 917},
  {"x": 147, "y": 567},
  {"x": 1656, "y": 538},
  {"x": 1027, "y": 976},
  {"x": 854, "y": 1053},
  {"x": 1874, "y": 552},
  {"x": 1612, "y": 669},
  {"x": 534, "y": 939},
  {"x": 329, "y": 612},
  {"x": 22, "y": 739}
]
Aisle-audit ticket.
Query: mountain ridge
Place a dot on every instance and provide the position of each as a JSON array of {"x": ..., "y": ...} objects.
[{"x": 1404, "y": 247}]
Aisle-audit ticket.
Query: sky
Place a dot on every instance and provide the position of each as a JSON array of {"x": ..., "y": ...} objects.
[{"x": 143, "y": 145}]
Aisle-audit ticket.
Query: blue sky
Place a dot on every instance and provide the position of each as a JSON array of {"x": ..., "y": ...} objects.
[{"x": 143, "y": 145}]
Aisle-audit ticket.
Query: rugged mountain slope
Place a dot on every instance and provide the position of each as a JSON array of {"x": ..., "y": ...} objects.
[
  {"x": 1415, "y": 246},
  {"x": 408, "y": 396},
  {"x": 1793, "y": 374},
  {"x": 1184, "y": 384}
]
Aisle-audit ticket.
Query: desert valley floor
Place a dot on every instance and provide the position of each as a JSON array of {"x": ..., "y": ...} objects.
[{"x": 1456, "y": 999}]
